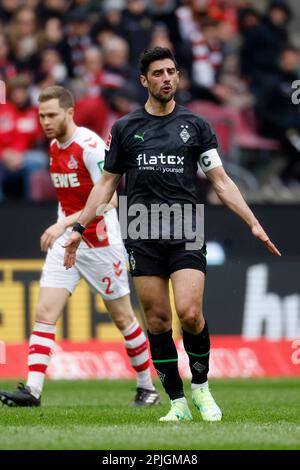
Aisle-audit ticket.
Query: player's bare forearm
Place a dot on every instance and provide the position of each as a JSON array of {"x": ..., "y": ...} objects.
[
  {"x": 71, "y": 219},
  {"x": 114, "y": 200},
  {"x": 230, "y": 195},
  {"x": 99, "y": 197}
]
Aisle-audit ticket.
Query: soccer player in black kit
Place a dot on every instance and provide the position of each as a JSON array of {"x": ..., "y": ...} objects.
[{"x": 158, "y": 147}]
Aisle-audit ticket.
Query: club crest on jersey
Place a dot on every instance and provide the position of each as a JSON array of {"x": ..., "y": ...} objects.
[
  {"x": 184, "y": 134},
  {"x": 108, "y": 142},
  {"x": 132, "y": 261},
  {"x": 72, "y": 164}
]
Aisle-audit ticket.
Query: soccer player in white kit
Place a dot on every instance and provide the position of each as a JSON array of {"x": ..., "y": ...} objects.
[{"x": 76, "y": 162}]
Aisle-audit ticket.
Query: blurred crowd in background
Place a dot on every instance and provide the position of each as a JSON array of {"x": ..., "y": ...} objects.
[{"x": 237, "y": 64}]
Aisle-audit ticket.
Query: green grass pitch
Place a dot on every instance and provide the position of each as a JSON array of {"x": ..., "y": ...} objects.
[{"x": 258, "y": 414}]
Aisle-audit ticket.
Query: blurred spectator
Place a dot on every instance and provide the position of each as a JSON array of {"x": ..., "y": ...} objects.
[
  {"x": 163, "y": 13},
  {"x": 53, "y": 36},
  {"x": 24, "y": 39},
  {"x": 53, "y": 9},
  {"x": 78, "y": 38},
  {"x": 116, "y": 71},
  {"x": 42, "y": 81},
  {"x": 51, "y": 71},
  {"x": 93, "y": 70},
  {"x": 20, "y": 134},
  {"x": 91, "y": 109},
  {"x": 121, "y": 101},
  {"x": 207, "y": 54},
  {"x": 7, "y": 9},
  {"x": 224, "y": 11},
  {"x": 110, "y": 22},
  {"x": 194, "y": 11},
  {"x": 277, "y": 113},
  {"x": 112, "y": 80},
  {"x": 207, "y": 60},
  {"x": 160, "y": 37},
  {"x": 7, "y": 67},
  {"x": 92, "y": 112},
  {"x": 53, "y": 32},
  {"x": 249, "y": 20},
  {"x": 184, "y": 89},
  {"x": 53, "y": 66},
  {"x": 213, "y": 77},
  {"x": 262, "y": 42},
  {"x": 136, "y": 28},
  {"x": 33, "y": 4},
  {"x": 92, "y": 7},
  {"x": 190, "y": 15}
]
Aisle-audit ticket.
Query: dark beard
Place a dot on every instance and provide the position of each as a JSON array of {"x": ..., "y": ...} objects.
[{"x": 163, "y": 99}]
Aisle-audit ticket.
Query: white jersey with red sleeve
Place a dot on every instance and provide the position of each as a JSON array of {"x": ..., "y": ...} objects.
[{"x": 75, "y": 166}]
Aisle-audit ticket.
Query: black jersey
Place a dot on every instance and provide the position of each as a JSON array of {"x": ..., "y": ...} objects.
[{"x": 159, "y": 155}]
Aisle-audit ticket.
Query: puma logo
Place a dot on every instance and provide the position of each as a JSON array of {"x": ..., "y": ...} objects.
[{"x": 140, "y": 136}]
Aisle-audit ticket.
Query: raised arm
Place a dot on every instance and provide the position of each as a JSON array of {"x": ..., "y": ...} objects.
[
  {"x": 230, "y": 195},
  {"x": 96, "y": 204}
]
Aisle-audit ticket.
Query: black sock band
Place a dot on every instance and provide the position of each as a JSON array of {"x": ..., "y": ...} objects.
[
  {"x": 165, "y": 360},
  {"x": 197, "y": 348}
]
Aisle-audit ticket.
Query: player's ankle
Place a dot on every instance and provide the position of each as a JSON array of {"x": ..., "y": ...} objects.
[
  {"x": 35, "y": 391},
  {"x": 180, "y": 400},
  {"x": 203, "y": 386}
]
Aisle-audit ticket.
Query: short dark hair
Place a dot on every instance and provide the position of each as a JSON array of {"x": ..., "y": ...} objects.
[
  {"x": 62, "y": 94},
  {"x": 288, "y": 48},
  {"x": 150, "y": 55}
]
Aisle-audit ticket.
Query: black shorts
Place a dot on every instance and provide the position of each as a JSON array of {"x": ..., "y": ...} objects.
[{"x": 163, "y": 257}]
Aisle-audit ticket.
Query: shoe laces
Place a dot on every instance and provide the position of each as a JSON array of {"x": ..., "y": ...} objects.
[
  {"x": 142, "y": 393},
  {"x": 24, "y": 388}
]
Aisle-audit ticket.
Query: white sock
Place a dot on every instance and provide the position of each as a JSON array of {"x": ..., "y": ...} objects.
[
  {"x": 180, "y": 400},
  {"x": 138, "y": 354},
  {"x": 40, "y": 347},
  {"x": 203, "y": 386}
]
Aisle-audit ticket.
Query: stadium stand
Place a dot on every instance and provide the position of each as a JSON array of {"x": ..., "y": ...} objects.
[{"x": 227, "y": 53}]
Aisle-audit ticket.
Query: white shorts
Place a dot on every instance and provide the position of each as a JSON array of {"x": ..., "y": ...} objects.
[{"x": 104, "y": 269}]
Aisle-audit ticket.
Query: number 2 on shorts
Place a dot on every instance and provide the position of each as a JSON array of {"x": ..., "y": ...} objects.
[{"x": 108, "y": 280}]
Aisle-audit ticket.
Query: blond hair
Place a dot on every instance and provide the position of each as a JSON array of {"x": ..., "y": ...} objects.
[{"x": 63, "y": 95}]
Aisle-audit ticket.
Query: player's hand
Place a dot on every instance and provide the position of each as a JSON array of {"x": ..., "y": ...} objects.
[
  {"x": 51, "y": 234},
  {"x": 71, "y": 247},
  {"x": 259, "y": 233}
]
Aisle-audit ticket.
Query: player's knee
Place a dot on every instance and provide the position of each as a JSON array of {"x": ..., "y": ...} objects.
[
  {"x": 191, "y": 318},
  {"x": 123, "y": 320},
  {"x": 158, "y": 321},
  {"x": 44, "y": 313},
  {"x": 121, "y": 313}
]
